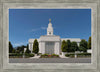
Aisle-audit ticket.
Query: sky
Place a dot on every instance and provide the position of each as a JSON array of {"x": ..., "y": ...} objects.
[{"x": 32, "y": 23}]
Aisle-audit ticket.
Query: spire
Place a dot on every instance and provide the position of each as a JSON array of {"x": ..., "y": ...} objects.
[
  {"x": 49, "y": 20},
  {"x": 50, "y": 28}
]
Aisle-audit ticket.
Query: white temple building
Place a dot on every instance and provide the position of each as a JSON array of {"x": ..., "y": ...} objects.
[{"x": 50, "y": 43}]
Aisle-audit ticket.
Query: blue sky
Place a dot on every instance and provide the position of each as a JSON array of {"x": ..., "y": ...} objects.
[{"x": 32, "y": 23}]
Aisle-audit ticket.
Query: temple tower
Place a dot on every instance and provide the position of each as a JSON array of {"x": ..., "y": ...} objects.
[{"x": 50, "y": 28}]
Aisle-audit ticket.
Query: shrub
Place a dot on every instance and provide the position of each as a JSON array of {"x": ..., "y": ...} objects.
[
  {"x": 69, "y": 55},
  {"x": 55, "y": 55},
  {"x": 49, "y": 56},
  {"x": 15, "y": 54},
  {"x": 84, "y": 54},
  {"x": 79, "y": 55},
  {"x": 45, "y": 55},
  {"x": 29, "y": 55},
  {"x": 20, "y": 55}
]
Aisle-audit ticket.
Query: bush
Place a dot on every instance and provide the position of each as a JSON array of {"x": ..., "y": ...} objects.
[
  {"x": 29, "y": 55},
  {"x": 45, "y": 55},
  {"x": 15, "y": 54},
  {"x": 55, "y": 55},
  {"x": 69, "y": 55},
  {"x": 84, "y": 54},
  {"x": 79, "y": 55},
  {"x": 49, "y": 56},
  {"x": 20, "y": 55}
]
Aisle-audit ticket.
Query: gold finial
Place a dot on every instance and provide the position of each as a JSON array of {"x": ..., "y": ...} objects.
[{"x": 49, "y": 20}]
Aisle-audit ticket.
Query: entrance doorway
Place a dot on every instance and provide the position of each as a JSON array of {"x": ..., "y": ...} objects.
[{"x": 49, "y": 47}]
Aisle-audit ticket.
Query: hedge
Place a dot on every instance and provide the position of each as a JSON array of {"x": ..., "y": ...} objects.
[
  {"x": 84, "y": 54},
  {"x": 20, "y": 55},
  {"x": 15, "y": 54},
  {"x": 69, "y": 55},
  {"x": 79, "y": 55}
]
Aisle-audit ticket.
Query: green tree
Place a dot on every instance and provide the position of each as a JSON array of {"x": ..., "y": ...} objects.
[
  {"x": 74, "y": 46},
  {"x": 35, "y": 46},
  {"x": 10, "y": 47},
  {"x": 68, "y": 46},
  {"x": 89, "y": 43},
  {"x": 20, "y": 49},
  {"x": 14, "y": 50},
  {"x": 64, "y": 46},
  {"x": 83, "y": 45},
  {"x": 27, "y": 50}
]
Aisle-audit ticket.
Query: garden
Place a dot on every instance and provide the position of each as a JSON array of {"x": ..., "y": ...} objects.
[{"x": 49, "y": 56}]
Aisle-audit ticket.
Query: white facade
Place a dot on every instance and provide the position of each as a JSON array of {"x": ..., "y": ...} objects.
[{"x": 50, "y": 44}]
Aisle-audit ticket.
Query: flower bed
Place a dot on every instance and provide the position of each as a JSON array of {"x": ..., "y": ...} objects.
[{"x": 49, "y": 56}]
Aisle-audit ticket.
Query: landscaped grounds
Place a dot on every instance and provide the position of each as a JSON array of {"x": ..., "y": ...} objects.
[{"x": 49, "y": 56}]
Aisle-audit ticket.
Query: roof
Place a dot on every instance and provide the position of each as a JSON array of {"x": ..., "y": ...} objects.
[
  {"x": 49, "y": 35},
  {"x": 49, "y": 38}
]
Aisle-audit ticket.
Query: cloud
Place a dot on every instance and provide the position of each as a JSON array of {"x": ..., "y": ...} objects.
[
  {"x": 43, "y": 28},
  {"x": 36, "y": 29},
  {"x": 19, "y": 44}
]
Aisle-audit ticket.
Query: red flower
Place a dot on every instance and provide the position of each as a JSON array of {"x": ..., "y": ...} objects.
[{"x": 49, "y": 55}]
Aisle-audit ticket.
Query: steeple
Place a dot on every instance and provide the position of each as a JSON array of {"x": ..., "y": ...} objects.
[{"x": 50, "y": 28}]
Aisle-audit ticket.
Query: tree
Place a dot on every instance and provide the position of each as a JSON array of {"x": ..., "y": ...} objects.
[
  {"x": 35, "y": 46},
  {"x": 89, "y": 43},
  {"x": 10, "y": 47},
  {"x": 74, "y": 46},
  {"x": 20, "y": 49},
  {"x": 83, "y": 45},
  {"x": 64, "y": 46},
  {"x": 27, "y": 50},
  {"x": 68, "y": 46},
  {"x": 14, "y": 50}
]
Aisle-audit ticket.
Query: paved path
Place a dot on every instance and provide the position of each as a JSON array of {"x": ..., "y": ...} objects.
[{"x": 50, "y": 60}]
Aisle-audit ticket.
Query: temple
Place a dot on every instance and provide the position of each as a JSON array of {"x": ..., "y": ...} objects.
[{"x": 50, "y": 43}]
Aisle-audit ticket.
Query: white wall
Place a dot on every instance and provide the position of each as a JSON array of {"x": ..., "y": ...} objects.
[
  {"x": 31, "y": 47},
  {"x": 57, "y": 48},
  {"x": 42, "y": 47}
]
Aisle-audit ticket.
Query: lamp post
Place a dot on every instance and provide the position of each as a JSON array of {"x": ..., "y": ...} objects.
[{"x": 24, "y": 52}]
